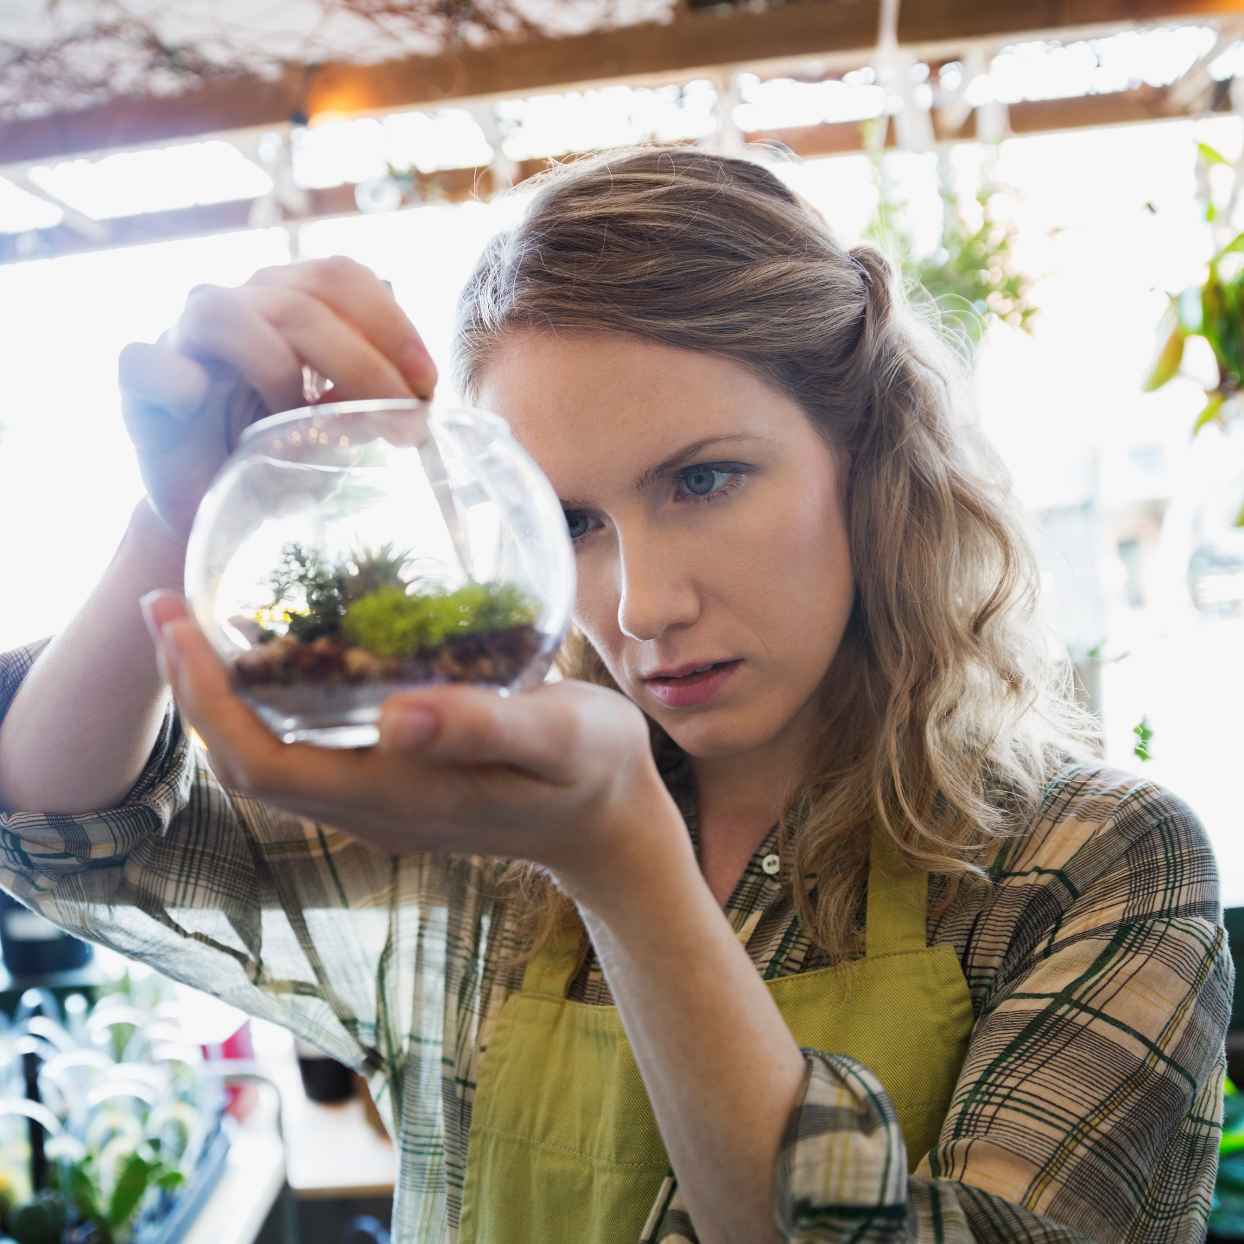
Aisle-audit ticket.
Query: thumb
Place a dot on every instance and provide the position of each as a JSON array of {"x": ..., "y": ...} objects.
[
  {"x": 161, "y": 607},
  {"x": 474, "y": 726}
]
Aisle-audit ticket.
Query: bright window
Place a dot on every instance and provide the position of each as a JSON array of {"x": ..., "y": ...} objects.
[{"x": 1113, "y": 485}]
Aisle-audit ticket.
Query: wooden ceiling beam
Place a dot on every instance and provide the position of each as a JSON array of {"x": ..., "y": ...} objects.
[
  {"x": 701, "y": 42},
  {"x": 457, "y": 185}
]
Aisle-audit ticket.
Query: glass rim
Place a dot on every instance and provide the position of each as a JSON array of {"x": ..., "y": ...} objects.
[{"x": 372, "y": 405}]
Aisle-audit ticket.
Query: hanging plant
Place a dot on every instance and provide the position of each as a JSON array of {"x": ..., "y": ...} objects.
[
  {"x": 971, "y": 273},
  {"x": 1214, "y": 311}
]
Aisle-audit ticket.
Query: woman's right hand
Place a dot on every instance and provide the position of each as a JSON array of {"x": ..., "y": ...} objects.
[{"x": 236, "y": 356}]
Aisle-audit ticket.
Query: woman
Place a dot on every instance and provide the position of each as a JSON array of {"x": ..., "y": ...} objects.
[{"x": 864, "y": 945}]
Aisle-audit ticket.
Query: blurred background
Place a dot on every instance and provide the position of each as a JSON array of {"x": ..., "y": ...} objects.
[{"x": 1064, "y": 199}]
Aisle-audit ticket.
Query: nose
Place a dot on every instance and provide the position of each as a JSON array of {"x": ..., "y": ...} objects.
[{"x": 655, "y": 589}]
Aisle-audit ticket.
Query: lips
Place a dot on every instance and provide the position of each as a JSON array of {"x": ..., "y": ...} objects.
[
  {"x": 692, "y": 673},
  {"x": 693, "y": 690},
  {"x": 686, "y": 671}
]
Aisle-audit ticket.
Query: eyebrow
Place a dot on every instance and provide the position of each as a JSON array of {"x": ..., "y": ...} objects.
[{"x": 655, "y": 472}]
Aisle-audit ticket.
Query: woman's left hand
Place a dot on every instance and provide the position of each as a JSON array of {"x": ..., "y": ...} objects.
[{"x": 562, "y": 775}]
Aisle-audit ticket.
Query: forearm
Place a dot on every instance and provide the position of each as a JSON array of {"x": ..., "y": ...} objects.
[
  {"x": 87, "y": 715},
  {"x": 722, "y": 1069}
]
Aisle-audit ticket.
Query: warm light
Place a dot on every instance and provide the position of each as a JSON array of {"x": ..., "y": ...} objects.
[{"x": 328, "y": 116}]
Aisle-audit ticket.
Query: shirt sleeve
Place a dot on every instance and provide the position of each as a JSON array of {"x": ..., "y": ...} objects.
[
  {"x": 286, "y": 918},
  {"x": 1089, "y": 1105}
]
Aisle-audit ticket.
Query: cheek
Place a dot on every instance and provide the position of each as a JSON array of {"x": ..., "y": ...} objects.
[
  {"x": 593, "y": 617},
  {"x": 807, "y": 559}
]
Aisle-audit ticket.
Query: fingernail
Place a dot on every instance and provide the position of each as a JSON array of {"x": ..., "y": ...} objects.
[
  {"x": 411, "y": 727},
  {"x": 417, "y": 365},
  {"x": 152, "y": 615}
]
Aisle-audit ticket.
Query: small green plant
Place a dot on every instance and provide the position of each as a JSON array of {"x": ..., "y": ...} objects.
[
  {"x": 1213, "y": 311},
  {"x": 368, "y": 603},
  {"x": 77, "y": 1206},
  {"x": 971, "y": 273},
  {"x": 42, "y": 1220},
  {"x": 1143, "y": 734},
  {"x": 302, "y": 572},
  {"x": 373, "y": 569},
  {"x": 314, "y": 595}
]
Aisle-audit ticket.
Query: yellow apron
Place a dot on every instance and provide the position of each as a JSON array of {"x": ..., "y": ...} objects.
[{"x": 563, "y": 1142}]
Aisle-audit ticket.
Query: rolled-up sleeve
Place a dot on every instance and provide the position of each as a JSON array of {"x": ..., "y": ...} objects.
[
  {"x": 286, "y": 918},
  {"x": 1089, "y": 1105}
]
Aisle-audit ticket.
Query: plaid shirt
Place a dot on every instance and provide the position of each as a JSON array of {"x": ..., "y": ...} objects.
[{"x": 1089, "y": 1106}]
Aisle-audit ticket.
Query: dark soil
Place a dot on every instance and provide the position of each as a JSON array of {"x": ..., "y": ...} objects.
[{"x": 488, "y": 657}]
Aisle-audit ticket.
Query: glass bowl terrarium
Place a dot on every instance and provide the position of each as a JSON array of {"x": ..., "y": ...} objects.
[{"x": 349, "y": 551}]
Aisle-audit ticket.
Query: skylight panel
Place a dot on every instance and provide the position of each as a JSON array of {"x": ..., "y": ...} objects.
[
  {"x": 336, "y": 151},
  {"x": 611, "y": 116},
  {"x": 1040, "y": 69},
  {"x": 450, "y": 138},
  {"x": 778, "y": 103},
  {"x": 153, "y": 180},
  {"x": 21, "y": 210}
]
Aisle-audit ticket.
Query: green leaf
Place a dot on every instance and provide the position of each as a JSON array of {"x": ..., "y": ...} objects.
[
  {"x": 1187, "y": 309},
  {"x": 80, "y": 1187},
  {"x": 1213, "y": 304},
  {"x": 1169, "y": 358},
  {"x": 40, "y": 1221},
  {"x": 131, "y": 1184},
  {"x": 1232, "y": 248},
  {"x": 170, "y": 1179},
  {"x": 1239, "y": 518},
  {"x": 1211, "y": 414},
  {"x": 1143, "y": 734},
  {"x": 1209, "y": 155}
]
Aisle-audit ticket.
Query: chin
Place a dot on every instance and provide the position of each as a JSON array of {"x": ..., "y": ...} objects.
[{"x": 707, "y": 740}]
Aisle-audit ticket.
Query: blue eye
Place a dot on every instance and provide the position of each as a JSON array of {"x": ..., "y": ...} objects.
[{"x": 701, "y": 472}]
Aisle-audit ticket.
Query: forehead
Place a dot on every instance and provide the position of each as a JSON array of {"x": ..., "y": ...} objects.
[{"x": 578, "y": 402}]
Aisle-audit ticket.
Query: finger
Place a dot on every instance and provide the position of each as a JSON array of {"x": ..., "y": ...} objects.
[
  {"x": 245, "y": 753},
  {"x": 322, "y": 339},
  {"x": 160, "y": 608},
  {"x": 534, "y": 732},
  {"x": 160, "y": 391},
  {"x": 159, "y": 376},
  {"x": 360, "y": 298},
  {"x": 223, "y": 325}
]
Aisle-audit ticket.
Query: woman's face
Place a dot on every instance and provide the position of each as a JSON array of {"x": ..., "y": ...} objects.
[{"x": 735, "y": 551}]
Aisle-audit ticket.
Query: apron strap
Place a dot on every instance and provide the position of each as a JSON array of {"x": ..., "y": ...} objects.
[
  {"x": 552, "y": 970},
  {"x": 898, "y": 897}
]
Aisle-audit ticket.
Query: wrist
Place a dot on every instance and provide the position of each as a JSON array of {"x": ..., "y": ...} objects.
[
  {"x": 650, "y": 850},
  {"x": 156, "y": 548}
]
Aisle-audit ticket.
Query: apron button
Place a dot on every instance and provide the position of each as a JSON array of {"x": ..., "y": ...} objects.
[{"x": 772, "y": 864}]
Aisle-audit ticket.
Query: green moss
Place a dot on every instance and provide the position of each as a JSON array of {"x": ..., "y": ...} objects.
[
  {"x": 366, "y": 600},
  {"x": 386, "y": 622},
  {"x": 390, "y": 623}
]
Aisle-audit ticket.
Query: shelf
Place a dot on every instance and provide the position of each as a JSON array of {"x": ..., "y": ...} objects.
[
  {"x": 332, "y": 1150},
  {"x": 248, "y": 1188}
]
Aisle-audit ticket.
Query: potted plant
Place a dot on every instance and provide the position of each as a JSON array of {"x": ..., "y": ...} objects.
[{"x": 971, "y": 273}]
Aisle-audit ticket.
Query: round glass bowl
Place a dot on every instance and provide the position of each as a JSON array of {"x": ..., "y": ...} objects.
[{"x": 349, "y": 551}]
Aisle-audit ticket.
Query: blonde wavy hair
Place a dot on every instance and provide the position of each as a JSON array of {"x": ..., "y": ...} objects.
[{"x": 945, "y": 710}]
